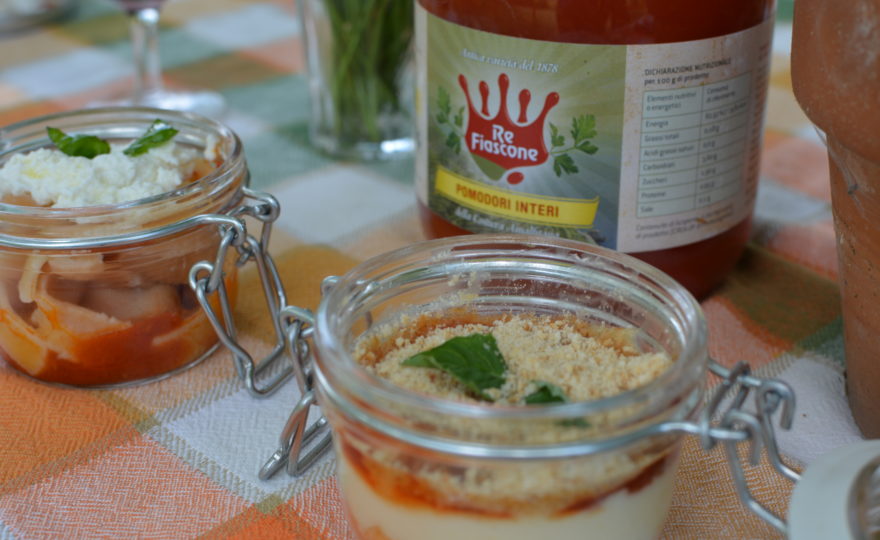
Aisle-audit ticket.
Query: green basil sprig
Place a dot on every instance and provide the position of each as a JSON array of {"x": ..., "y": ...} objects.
[
  {"x": 90, "y": 146},
  {"x": 549, "y": 393},
  {"x": 545, "y": 394},
  {"x": 474, "y": 360},
  {"x": 87, "y": 146},
  {"x": 156, "y": 135}
]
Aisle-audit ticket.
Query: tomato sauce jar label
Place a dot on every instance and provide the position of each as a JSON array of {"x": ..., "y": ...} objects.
[{"x": 634, "y": 147}]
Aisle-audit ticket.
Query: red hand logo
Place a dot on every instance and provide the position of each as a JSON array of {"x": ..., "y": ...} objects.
[{"x": 499, "y": 144}]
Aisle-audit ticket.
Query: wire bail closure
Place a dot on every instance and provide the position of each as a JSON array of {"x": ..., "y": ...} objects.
[
  {"x": 770, "y": 396},
  {"x": 728, "y": 417},
  {"x": 292, "y": 327},
  {"x": 299, "y": 445},
  {"x": 206, "y": 281}
]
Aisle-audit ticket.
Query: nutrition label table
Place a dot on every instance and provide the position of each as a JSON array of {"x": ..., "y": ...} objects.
[{"x": 692, "y": 140}]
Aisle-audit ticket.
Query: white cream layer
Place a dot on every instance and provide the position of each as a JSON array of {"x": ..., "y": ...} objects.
[{"x": 622, "y": 515}]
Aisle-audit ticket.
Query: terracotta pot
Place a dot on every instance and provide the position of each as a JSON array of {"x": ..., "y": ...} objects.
[{"x": 836, "y": 74}]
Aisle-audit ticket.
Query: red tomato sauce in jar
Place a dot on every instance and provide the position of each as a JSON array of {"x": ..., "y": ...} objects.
[
  {"x": 74, "y": 345},
  {"x": 677, "y": 192}
]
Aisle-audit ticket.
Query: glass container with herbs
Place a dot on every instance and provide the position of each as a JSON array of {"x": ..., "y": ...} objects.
[{"x": 358, "y": 56}]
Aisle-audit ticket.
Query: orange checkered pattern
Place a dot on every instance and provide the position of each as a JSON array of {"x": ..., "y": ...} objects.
[{"x": 179, "y": 458}]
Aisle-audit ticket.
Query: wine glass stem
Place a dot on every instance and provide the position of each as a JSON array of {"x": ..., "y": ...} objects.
[{"x": 145, "y": 49}]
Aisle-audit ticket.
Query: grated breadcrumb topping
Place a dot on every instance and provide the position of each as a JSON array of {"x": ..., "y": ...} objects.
[{"x": 588, "y": 362}]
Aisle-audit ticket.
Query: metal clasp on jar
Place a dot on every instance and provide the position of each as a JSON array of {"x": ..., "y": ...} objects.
[
  {"x": 300, "y": 444},
  {"x": 726, "y": 419},
  {"x": 206, "y": 281},
  {"x": 292, "y": 326}
]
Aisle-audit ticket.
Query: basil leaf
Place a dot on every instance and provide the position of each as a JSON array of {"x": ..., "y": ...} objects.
[
  {"x": 87, "y": 146},
  {"x": 156, "y": 135},
  {"x": 550, "y": 393},
  {"x": 546, "y": 393},
  {"x": 474, "y": 360}
]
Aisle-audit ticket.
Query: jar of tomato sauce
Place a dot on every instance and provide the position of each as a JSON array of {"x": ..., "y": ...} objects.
[{"x": 635, "y": 126}]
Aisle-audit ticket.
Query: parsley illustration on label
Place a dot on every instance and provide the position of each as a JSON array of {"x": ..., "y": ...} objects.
[
  {"x": 583, "y": 128},
  {"x": 446, "y": 118},
  {"x": 444, "y": 107},
  {"x": 87, "y": 146},
  {"x": 546, "y": 393},
  {"x": 474, "y": 360},
  {"x": 158, "y": 134}
]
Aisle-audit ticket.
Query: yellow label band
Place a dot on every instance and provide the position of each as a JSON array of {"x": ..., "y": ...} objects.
[{"x": 576, "y": 213}]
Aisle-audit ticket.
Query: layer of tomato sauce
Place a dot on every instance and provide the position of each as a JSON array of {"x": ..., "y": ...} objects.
[{"x": 131, "y": 354}]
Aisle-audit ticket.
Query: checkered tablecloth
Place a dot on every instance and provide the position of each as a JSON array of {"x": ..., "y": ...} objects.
[{"x": 179, "y": 458}]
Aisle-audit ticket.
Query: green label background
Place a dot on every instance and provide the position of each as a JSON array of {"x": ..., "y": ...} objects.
[{"x": 590, "y": 80}]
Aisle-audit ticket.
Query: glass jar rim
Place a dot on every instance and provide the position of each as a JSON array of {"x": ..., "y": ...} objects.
[
  {"x": 30, "y": 134},
  {"x": 338, "y": 372}
]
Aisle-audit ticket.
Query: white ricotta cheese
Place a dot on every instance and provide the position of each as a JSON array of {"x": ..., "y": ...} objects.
[{"x": 52, "y": 178}]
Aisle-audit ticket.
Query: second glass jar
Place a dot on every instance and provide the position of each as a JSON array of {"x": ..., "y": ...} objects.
[{"x": 418, "y": 466}]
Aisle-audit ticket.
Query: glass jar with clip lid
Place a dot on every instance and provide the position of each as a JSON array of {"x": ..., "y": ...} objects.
[
  {"x": 406, "y": 457},
  {"x": 96, "y": 294}
]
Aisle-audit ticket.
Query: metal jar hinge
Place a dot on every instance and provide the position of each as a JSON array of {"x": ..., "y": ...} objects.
[
  {"x": 728, "y": 418},
  {"x": 206, "y": 281},
  {"x": 292, "y": 327},
  {"x": 300, "y": 444}
]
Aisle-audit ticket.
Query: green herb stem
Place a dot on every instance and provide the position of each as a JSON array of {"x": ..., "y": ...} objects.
[{"x": 371, "y": 41}]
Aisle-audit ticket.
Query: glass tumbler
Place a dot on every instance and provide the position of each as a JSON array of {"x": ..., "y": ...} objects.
[
  {"x": 413, "y": 466},
  {"x": 99, "y": 295},
  {"x": 359, "y": 69}
]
